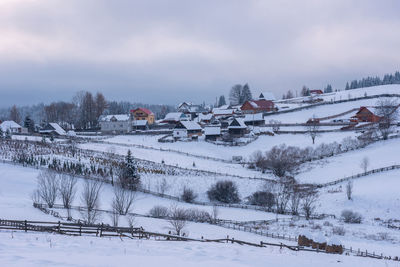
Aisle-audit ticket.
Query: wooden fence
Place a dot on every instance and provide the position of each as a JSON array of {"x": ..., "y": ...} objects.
[
  {"x": 384, "y": 169},
  {"x": 103, "y": 230}
]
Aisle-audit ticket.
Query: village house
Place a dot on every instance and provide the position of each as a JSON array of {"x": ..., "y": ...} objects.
[
  {"x": 223, "y": 113},
  {"x": 53, "y": 129},
  {"x": 316, "y": 92},
  {"x": 12, "y": 127},
  {"x": 142, "y": 114},
  {"x": 175, "y": 117},
  {"x": 204, "y": 118},
  {"x": 187, "y": 129},
  {"x": 212, "y": 132},
  {"x": 257, "y": 106},
  {"x": 365, "y": 115},
  {"x": 237, "y": 128},
  {"x": 115, "y": 124},
  {"x": 190, "y": 109},
  {"x": 255, "y": 119}
]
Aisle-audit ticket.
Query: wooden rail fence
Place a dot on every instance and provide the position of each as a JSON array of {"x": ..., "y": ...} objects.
[{"x": 103, "y": 230}]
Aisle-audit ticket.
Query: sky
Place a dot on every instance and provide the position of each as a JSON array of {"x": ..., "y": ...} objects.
[{"x": 171, "y": 51}]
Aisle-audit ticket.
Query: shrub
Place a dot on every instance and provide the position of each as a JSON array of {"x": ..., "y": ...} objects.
[
  {"x": 159, "y": 212},
  {"x": 198, "y": 215},
  {"x": 188, "y": 195},
  {"x": 224, "y": 191},
  {"x": 338, "y": 230},
  {"x": 349, "y": 216},
  {"x": 262, "y": 198}
]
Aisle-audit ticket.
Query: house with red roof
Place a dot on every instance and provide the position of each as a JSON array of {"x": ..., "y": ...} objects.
[
  {"x": 258, "y": 106},
  {"x": 365, "y": 115},
  {"x": 142, "y": 114}
]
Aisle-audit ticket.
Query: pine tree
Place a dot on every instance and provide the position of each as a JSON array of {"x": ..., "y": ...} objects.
[
  {"x": 246, "y": 93},
  {"x": 8, "y": 134},
  {"x": 129, "y": 177},
  {"x": 1, "y": 133},
  {"x": 29, "y": 124},
  {"x": 328, "y": 89},
  {"x": 221, "y": 101},
  {"x": 305, "y": 91}
]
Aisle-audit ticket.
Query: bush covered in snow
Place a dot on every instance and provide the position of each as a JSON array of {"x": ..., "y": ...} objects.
[
  {"x": 349, "y": 216},
  {"x": 159, "y": 211},
  {"x": 188, "y": 195},
  {"x": 224, "y": 191},
  {"x": 262, "y": 198}
]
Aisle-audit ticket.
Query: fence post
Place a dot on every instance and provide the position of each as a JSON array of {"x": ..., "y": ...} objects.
[
  {"x": 26, "y": 226},
  {"x": 80, "y": 228},
  {"x": 59, "y": 226},
  {"x": 101, "y": 230}
]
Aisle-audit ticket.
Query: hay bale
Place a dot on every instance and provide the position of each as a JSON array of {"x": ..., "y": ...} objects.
[
  {"x": 334, "y": 246},
  {"x": 305, "y": 239}
]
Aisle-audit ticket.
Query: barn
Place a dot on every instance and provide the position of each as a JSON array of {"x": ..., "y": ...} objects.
[
  {"x": 257, "y": 106},
  {"x": 365, "y": 115}
]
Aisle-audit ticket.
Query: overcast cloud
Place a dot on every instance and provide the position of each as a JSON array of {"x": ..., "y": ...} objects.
[{"x": 169, "y": 51}]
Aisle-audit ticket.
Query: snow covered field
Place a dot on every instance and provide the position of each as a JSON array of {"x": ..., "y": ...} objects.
[
  {"x": 20, "y": 249},
  {"x": 380, "y": 154},
  {"x": 263, "y": 143}
]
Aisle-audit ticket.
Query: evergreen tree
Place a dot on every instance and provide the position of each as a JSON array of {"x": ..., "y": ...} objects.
[
  {"x": 347, "y": 86},
  {"x": 328, "y": 89},
  {"x": 1, "y": 133},
  {"x": 289, "y": 94},
  {"x": 29, "y": 124},
  {"x": 305, "y": 91},
  {"x": 221, "y": 101},
  {"x": 246, "y": 93},
  {"x": 129, "y": 177},
  {"x": 8, "y": 134}
]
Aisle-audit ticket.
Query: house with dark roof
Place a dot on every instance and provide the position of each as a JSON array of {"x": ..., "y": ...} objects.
[
  {"x": 53, "y": 129},
  {"x": 257, "y": 106},
  {"x": 237, "y": 127},
  {"x": 142, "y": 114}
]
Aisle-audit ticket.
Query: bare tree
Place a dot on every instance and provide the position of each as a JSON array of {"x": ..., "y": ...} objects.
[
  {"x": 282, "y": 192},
  {"x": 215, "y": 213},
  {"x": 387, "y": 110},
  {"x": 48, "y": 187},
  {"x": 364, "y": 164},
  {"x": 349, "y": 190},
  {"x": 295, "y": 199},
  {"x": 309, "y": 201},
  {"x": 14, "y": 114},
  {"x": 163, "y": 186},
  {"x": 123, "y": 200},
  {"x": 177, "y": 219},
  {"x": 281, "y": 160},
  {"x": 312, "y": 128},
  {"x": 67, "y": 188},
  {"x": 114, "y": 215},
  {"x": 90, "y": 198}
]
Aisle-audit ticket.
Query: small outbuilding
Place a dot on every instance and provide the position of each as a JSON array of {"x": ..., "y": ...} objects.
[
  {"x": 256, "y": 119},
  {"x": 140, "y": 125},
  {"x": 212, "y": 132}
]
